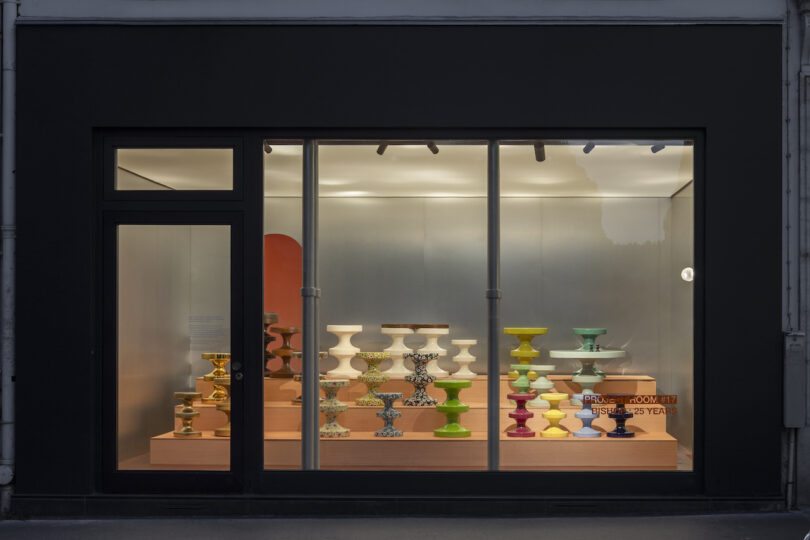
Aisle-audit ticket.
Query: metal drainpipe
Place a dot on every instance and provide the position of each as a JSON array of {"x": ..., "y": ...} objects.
[
  {"x": 7, "y": 265},
  {"x": 790, "y": 488}
]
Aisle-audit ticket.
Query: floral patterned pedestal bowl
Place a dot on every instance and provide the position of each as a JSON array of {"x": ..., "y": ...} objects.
[
  {"x": 331, "y": 407},
  {"x": 420, "y": 378},
  {"x": 373, "y": 378}
]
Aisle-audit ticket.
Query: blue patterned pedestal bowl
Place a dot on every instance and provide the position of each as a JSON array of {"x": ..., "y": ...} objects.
[
  {"x": 587, "y": 415},
  {"x": 388, "y": 415}
]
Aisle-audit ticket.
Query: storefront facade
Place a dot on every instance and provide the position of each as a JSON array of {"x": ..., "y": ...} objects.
[{"x": 402, "y": 177}]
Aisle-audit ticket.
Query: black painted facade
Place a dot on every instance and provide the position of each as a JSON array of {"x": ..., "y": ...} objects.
[{"x": 79, "y": 87}]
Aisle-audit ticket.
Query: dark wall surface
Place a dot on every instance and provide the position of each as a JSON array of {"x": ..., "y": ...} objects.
[{"x": 722, "y": 81}]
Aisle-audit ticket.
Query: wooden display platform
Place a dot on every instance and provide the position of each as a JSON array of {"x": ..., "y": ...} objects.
[
  {"x": 207, "y": 450},
  {"x": 285, "y": 390},
  {"x": 287, "y": 417},
  {"x": 423, "y": 451},
  {"x": 651, "y": 449},
  {"x": 645, "y": 451},
  {"x": 416, "y": 450}
]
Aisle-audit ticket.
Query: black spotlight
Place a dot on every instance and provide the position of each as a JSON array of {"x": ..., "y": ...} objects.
[
  {"x": 433, "y": 147},
  {"x": 381, "y": 149},
  {"x": 540, "y": 152},
  {"x": 588, "y": 147},
  {"x": 657, "y": 148},
  {"x": 267, "y": 148}
]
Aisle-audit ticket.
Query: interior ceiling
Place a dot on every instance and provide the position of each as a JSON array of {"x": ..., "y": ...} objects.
[{"x": 458, "y": 170}]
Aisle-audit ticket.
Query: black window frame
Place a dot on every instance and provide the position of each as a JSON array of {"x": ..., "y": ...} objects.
[
  {"x": 114, "y": 143},
  {"x": 247, "y": 468},
  {"x": 167, "y": 208}
]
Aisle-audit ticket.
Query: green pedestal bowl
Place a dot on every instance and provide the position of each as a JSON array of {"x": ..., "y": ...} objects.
[{"x": 452, "y": 408}]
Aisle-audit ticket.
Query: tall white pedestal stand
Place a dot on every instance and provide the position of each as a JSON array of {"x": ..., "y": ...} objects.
[
  {"x": 432, "y": 346},
  {"x": 397, "y": 350},
  {"x": 464, "y": 358},
  {"x": 344, "y": 351}
]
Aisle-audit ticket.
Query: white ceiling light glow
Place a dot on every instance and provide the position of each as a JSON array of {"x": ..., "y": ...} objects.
[{"x": 458, "y": 170}]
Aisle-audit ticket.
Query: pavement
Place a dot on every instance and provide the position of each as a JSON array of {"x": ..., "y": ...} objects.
[{"x": 772, "y": 526}]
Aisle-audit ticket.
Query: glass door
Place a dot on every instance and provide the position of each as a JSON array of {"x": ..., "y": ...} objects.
[{"x": 173, "y": 362}]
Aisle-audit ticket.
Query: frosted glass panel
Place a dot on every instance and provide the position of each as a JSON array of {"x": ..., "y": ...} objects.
[
  {"x": 174, "y": 169},
  {"x": 174, "y": 316}
]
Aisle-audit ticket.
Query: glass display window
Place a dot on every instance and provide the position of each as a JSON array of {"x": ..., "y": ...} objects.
[
  {"x": 402, "y": 263},
  {"x": 515, "y": 305},
  {"x": 402, "y": 236},
  {"x": 597, "y": 248},
  {"x": 281, "y": 303}
]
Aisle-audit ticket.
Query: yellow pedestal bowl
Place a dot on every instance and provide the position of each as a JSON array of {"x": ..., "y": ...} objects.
[
  {"x": 554, "y": 415},
  {"x": 525, "y": 352}
]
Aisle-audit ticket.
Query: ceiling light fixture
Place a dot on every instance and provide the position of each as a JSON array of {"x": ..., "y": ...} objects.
[
  {"x": 433, "y": 148},
  {"x": 540, "y": 152},
  {"x": 267, "y": 148},
  {"x": 588, "y": 147},
  {"x": 657, "y": 148}
]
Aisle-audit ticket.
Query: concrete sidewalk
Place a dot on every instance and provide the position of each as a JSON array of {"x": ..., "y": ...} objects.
[{"x": 782, "y": 526}]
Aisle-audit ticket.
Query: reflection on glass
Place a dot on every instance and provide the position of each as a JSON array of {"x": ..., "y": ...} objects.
[
  {"x": 402, "y": 269},
  {"x": 598, "y": 320},
  {"x": 282, "y": 304},
  {"x": 174, "y": 169},
  {"x": 174, "y": 340}
]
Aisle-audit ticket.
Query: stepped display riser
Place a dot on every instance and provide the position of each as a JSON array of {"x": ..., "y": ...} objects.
[
  {"x": 647, "y": 451},
  {"x": 288, "y": 418},
  {"x": 285, "y": 390},
  {"x": 652, "y": 448}
]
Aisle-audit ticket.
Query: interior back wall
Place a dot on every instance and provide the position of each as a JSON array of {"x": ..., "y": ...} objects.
[{"x": 564, "y": 264}]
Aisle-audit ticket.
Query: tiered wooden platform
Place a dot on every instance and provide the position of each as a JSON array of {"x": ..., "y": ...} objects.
[{"x": 651, "y": 449}]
